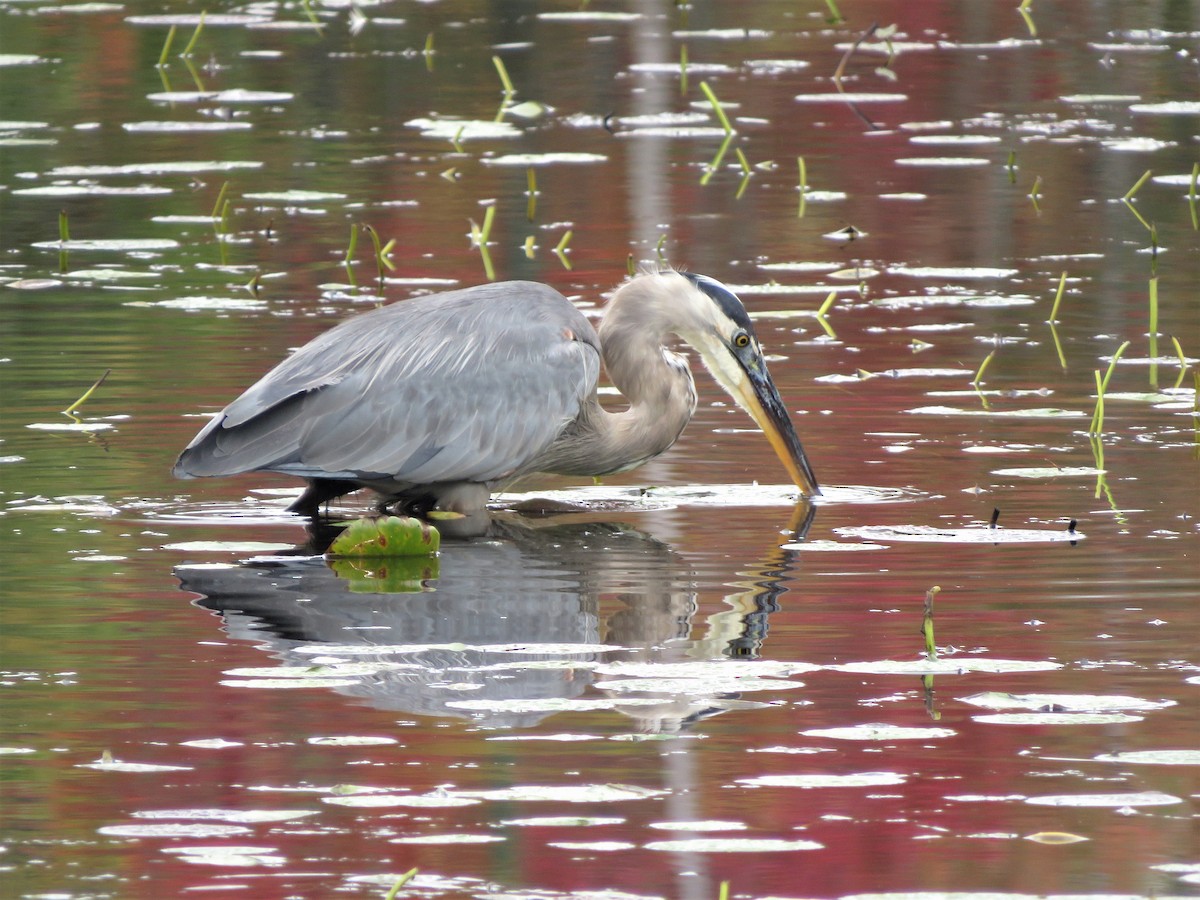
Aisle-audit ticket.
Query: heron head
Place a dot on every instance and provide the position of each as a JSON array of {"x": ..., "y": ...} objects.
[{"x": 721, "y": 331}]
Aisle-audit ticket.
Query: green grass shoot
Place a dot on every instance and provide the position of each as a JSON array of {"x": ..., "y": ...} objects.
[
  {"x": 683, "y": 67},
  {"x": 987, "y": 360},
  {"x": 1138, "y": 184},
  {"x": 714, "y": 165},
  {"x": 828, "y": 304},
  {"x": 400, "y": 882},
  {"x": 505, "y": 81},
  {"x": 162, "y": 57},
  {"x": 456, "y": 141},
  {"x": 560, "y": 249},
  {"x": 1154, "y": 307},
  {"x": 1036, "y": 192},
  {"x": 219, "y": 205},
  {"x": 825, "y": 307},
  {"x": 835, "y": 15},
  {"x": 1183, "y": 363},
  {"x": 716, "y": 105},
  {"x": 531, "y": 191},
  {"x": 1058, "y": 347},
  {"x": 352, "y": 246},
  {"x": 254, "y": 285},
  {"x": 530, "y": 246},
  {"x": 802, "y": 187},
  {"x": 630, "y": 265},
  {"x": 745, "y": 163},
  {"x": 658, "y": 248},
  {"x": 489, "y": 218},
  {"x": 191, "y": 45},
  {"x": 1097, "y": 425},
  {"x": 1192, "y": 196},
  {"x": 70, "y": 410},
  {"x": 1128, "y": 201},
  {"x": 723, "y": 892},
  {"x": 64, "y": 227},
  {"x": 1062, "y": 283},
  {"x": 1011, "y": 165},
  {"x": 927, "y": 624},
  {"x": 309, "y": 14},
  {"x": 1023, "y": 9}
]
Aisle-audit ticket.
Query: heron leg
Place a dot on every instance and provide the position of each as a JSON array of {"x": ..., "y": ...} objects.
[{"x": 320, "y": 490}]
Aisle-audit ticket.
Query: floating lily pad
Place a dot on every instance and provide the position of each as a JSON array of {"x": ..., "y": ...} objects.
[
  {"x": 114, "y": 245},
  {"x": 411, "y": 801},
  {"x": 712, "y": 684},
  {"x": 448, "y": 839},
  {"x": 390, "y": 536},
  {"x": 464, "y": 129},
  {"x": 945, "y": 666},
  {"x": 1153, "y": 757},
  {"x": 857, "y": 779},
  {"x": 567, "y": 793},
  {"x": 350, "y": 740},
  {"x": 179, "y": 126},
  {"x": 593, "y": 846},
  {"x": 851, "y": 97},
  {"x": 879, "y": 732},
  {"x": 703, "y": 669},
  {"x": 240, "y": 816},
  {"x": 1055, "y": 838},
  {"x": 1143, "y": 798},
  {"x": 1058, "y": 718},
  {"x": 115, "y": 765},
  {"x": 733, "y": 845},
  {"x": 543, "y": 159},
  {"x": 977, "y": 535},
  {"x": 1063, "y": 702},
  {"x": 700, "y": 825},
  {"x": 227, "y": 546},
  {"x": 236, "y": 857},
  {"x": 1049, "y": 472},
  {"x": 173, "y": 830},
  {"x": 563, "y": 821}
]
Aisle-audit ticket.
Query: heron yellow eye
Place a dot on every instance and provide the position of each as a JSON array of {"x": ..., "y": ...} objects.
[{"x": 741, "y": 339}]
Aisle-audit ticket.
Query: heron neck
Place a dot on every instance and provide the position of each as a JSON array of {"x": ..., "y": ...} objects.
[{"x": 656, "y": 382}]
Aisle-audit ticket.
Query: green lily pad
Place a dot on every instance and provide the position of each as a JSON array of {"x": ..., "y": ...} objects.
[{"x": 388, "y": 537}]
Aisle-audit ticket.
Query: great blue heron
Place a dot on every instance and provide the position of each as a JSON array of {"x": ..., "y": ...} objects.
[{"x": 437, "y": 401}]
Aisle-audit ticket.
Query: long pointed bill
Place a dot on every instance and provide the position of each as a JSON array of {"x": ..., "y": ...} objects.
[{"x": 758, "y": 396}]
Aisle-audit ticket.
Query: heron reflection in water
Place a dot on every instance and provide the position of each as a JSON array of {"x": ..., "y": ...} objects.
[{"x": 438, "y": 401}]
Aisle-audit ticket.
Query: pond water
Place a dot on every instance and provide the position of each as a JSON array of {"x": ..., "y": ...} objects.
[{"x": 693, "y": 680}]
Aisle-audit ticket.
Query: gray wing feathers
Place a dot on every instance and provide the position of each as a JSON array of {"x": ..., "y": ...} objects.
[{"x": 465, "y": 386}]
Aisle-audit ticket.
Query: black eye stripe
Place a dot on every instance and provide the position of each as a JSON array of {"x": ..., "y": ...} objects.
[{"x": 724, "y": 298}]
